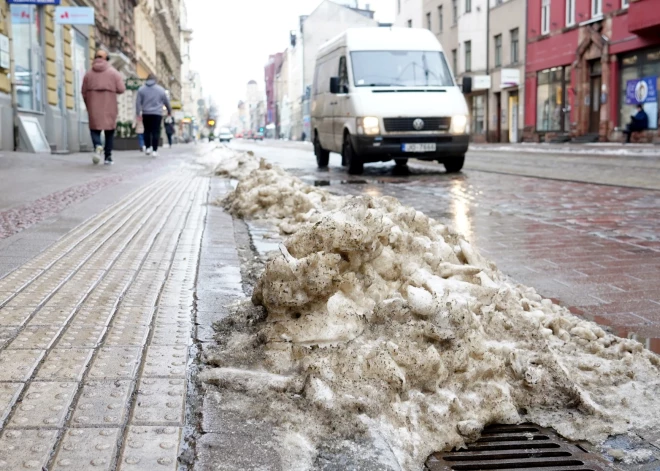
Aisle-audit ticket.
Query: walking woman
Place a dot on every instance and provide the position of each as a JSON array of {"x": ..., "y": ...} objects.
[
  {"x": 149, "y": 107},
  {"x": 169, "y": 129}
]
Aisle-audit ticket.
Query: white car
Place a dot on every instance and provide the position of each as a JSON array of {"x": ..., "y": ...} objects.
[
  {"x": 387, "y": 93},
  {"x": 225, "y": 135}
]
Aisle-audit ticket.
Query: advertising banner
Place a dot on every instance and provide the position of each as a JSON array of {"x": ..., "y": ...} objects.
[
  {"x": 644, "y": 92},
  {"x": 74, "y": 15}
]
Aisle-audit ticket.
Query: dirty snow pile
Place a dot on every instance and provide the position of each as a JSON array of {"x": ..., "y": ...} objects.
[
  {"x": 384, "y": 322},
  {"x": 234, "y": 164},
  {"x": 271, "y": 193}
]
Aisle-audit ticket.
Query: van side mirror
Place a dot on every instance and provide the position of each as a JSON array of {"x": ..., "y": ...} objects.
[
  {"x": 334, "y": 85},
  {"x": 467, "y": 84}
]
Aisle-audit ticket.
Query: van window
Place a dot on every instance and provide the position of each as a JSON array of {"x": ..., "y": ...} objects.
[
  {"x": 343, "y": 75},
  {"x": 400, "y": 69}
]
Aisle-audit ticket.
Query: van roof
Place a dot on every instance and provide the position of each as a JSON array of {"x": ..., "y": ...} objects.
[{"x": 383, "y": 39}]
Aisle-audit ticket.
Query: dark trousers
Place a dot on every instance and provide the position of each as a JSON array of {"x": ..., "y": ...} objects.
[
  {"x": 169, "y": 138},
  {"x": 151, "y": 130},
  {"x": 631, "y": 128},
  {"x": 109, "y": 138}
]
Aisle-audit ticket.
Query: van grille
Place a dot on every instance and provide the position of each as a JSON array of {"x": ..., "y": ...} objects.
[{"x": 406, "y": 124}]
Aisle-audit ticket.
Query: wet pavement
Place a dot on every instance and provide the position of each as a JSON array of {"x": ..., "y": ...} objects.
[{"x": 594, "y": 248}]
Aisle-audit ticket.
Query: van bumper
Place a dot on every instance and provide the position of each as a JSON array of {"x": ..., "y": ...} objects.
[{"x": 384, "y": 148}]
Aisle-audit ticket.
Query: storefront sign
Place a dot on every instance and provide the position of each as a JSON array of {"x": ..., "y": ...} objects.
[
  {"x": 21, "y": 15},
  {"x": 4, "y": 52},
  {"x": 176, "y": 105},
  {"x": 481, "y": 82},
  {"x": 74, "y": 15},
  {"x": 33, "y": 2},
  {"x": 509, "y": 78},
  {"x": 644, "y": 92}
]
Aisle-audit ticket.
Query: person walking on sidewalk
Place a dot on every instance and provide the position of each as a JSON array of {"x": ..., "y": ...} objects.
[
  {"x": 139, "y": 130},
  {"x": 100, "y": 88},
  {"x": 149, "y": 106},
  {"x": 169, "y": 129}
]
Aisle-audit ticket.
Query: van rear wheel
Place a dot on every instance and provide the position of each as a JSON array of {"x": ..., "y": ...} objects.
[
  {"x": 322, "y": 155},
  {"x": 353, "y": 160}
]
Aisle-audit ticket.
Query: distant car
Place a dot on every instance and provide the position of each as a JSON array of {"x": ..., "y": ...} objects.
[
  {"x": 239, "y": 135},
  {"x": 225, "y": 135},
  {"x": 258, "y": 136}
]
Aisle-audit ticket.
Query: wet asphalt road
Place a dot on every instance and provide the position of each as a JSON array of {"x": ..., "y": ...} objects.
[{"x": 585, "y": 231}]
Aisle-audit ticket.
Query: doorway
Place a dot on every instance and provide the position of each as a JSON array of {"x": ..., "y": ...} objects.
[
  {"x": 595, "y": 83},
  {"x": 498, "y": 111},
  {"x": 513, "y": 116}
]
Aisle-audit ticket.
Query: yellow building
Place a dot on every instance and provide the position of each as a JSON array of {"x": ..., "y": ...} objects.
[{"x": 49, "y": 62}]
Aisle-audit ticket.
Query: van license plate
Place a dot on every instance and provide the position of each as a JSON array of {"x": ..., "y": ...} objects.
[{"x": 427, "y": 147}]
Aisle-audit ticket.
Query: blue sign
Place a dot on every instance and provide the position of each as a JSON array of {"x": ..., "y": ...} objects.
[
  {"x": 640, "y": 91},
  {"x": 33, "y": 2}
]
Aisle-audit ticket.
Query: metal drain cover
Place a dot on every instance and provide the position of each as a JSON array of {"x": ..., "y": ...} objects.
[{"x": 518, "y": 447}]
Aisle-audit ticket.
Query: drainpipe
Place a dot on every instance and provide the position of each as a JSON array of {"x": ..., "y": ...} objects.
[
  {"x": 12, "y": 74},
  {"x": 488, "y": 68}
]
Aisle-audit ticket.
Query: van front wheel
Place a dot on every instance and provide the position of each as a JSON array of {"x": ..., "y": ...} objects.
[
  {"x": 322, "y": 155},
  {"x": 353, "y": 160},
  {"x": 455, "y": 164}
]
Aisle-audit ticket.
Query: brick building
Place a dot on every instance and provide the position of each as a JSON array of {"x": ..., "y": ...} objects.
[
  {"x": 589, "y": 62},
  {"x": 270, "y": 74}
]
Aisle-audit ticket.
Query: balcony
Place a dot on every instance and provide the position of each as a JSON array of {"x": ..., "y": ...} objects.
[{"x": 644, "y": 17}]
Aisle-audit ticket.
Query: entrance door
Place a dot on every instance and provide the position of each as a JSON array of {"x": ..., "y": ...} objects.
[
  {"x": 498, "y": 110},
  {"x": 594, "y": 98},
  {"x": 61, "y": 84},
  {"x": 80, "y": 65},
  {"x": 513, "y": 116}
]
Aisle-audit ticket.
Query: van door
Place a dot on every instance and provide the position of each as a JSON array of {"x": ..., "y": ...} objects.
[
  {"x": 326, "y": 70},
  {"x": 342, "y": 106}
]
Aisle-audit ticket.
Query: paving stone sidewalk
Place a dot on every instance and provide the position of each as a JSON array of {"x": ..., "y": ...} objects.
[{"x": 95, "y": 334}]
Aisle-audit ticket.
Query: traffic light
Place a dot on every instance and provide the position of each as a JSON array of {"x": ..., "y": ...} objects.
[{"x": 210, "y": 123}]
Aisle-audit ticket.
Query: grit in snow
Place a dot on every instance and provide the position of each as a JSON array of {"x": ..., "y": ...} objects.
[{"x": 380, "y": 321}]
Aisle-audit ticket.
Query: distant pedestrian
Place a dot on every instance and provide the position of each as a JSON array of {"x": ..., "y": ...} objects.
[
  {"x": 169, "y": 129},
  {"x": 638, "y": 122},
  {"x": 139, "y": 130},
  {"x": 100, "y": 88},
  {"x": 151, "y": 98}
]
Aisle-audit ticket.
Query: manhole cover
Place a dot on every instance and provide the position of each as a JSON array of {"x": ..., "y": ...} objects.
[{"x": 518, "y": 447}]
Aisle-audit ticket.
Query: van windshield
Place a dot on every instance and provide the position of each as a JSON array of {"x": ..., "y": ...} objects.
[{"x": 400, "y": 69}]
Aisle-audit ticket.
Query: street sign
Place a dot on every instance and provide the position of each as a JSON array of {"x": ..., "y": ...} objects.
[
  {"x": 33, "y": 2},
  {"x": 74, "y": 15},
  {"x": 133, "y": 83}
]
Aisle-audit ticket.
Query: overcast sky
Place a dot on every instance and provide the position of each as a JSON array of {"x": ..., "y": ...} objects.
[{"x": 233, "y": 38}]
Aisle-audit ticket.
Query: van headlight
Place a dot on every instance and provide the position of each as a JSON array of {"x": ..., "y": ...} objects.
[
  {"x": 368, "y": 125},
  {"x": 459, "y": 124}
]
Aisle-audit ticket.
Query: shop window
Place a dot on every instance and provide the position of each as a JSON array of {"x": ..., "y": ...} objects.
[
  {"x": 28, "y": 56},
  {"x": 441, "y": 20},
  {"x": 515, "y": 46},
  {"x": 596, "y": 8},
  {"x": 570, "y": 12},
  {"x": 545, "y": 17},
  {"x": 468, "y": 56},
  {"x": 552, "y": 112},
  {"x": 478, "y": 114},
  {"x": 641, "y": 66},
  {"x": 498, "y": 50}
]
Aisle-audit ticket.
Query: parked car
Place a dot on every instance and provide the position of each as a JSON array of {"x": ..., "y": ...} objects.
[
  {"x": 258, "y": 136},
  {"x": 399, "y": 100},
  {"x": 225, "y": 135}
]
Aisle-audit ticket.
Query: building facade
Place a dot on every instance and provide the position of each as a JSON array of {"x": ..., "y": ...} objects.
[
  {"x": 270, "y": 74},
  {"x": 589, "y": 63},
  {"x": 408, "y": 14},
  {"x": 168, "y": 50},
  {"x": 145, "y": 39}
]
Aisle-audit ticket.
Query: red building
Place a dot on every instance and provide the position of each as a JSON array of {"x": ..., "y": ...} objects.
[
  {"x": 589, "y": 62},
  {"x": 270, "y": 71}
]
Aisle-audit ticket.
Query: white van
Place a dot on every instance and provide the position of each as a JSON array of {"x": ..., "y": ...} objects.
[{"x": 387, "y": 93}]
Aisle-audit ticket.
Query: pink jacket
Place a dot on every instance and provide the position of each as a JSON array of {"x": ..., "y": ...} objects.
[{"x": 100, "y": 88}]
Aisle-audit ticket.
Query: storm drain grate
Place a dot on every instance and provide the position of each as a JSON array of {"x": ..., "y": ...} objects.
[{"x": 517, "y": 447}]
